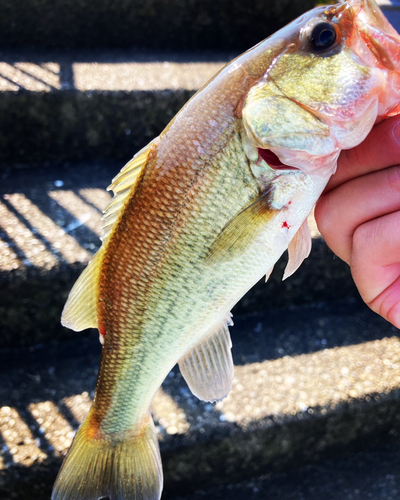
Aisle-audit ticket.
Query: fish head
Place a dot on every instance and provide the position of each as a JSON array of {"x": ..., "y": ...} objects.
[{"x": 334, "y": 74}]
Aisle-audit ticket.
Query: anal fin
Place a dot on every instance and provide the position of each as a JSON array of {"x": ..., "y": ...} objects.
[{"x": 208, "y": 367}]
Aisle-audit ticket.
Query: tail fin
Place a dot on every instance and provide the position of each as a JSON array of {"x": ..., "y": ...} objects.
[{"x": 121, "y": 470}]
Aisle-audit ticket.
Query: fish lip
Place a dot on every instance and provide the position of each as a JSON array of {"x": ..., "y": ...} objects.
[{"x": 378, "y": 35}]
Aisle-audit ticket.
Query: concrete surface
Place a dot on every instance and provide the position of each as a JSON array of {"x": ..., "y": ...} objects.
[
  {"x": 310, "y": 383},
  {"x": 189, "y": 24},
  {"x": 69, "y": 106},
  {"x": 50, "y": 226},
  {"x": 367, "y": 475}
]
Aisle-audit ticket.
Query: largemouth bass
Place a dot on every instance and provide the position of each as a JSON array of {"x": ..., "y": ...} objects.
[{"x": 204, "y": 211}]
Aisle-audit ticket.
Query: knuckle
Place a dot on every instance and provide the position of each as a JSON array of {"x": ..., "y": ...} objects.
[
  {"x": 393, "y": 178},
  {"x": 363, "y": 237},
  {"x": 359, "y": 156}
]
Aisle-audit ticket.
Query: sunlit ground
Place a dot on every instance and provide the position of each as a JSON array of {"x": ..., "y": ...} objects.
[
  {"x": 87, "y": 76},
  {"x": 264, "y": 393}
]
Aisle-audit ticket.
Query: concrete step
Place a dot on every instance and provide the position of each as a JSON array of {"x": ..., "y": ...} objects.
[
  {"x": 158, "y": 24},
  {"x": 59, "y": 106},
  {"x": 311, "y": 383},
  {"x": 100, "y": 104},
  {"x": 50, "y": 225}
]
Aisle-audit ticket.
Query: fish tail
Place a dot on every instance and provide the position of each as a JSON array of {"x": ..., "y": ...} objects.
[{"x": 124, "y": 468}]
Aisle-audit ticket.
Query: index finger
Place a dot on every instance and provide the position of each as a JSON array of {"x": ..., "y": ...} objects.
[{"x": 381, "y": 149}]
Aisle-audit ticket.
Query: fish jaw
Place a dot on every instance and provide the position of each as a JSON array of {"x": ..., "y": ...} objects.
[
  {"x": 377, "y": 43},
  {"x": 310, "y": 105}
]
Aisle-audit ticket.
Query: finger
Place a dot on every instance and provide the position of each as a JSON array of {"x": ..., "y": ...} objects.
[
  {"x": 375, "y": 265},
  {"x": 339, "y": 212},
  {"x": 381, "y": 149}
]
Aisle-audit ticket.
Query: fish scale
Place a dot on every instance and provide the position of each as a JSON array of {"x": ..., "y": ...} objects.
[{"x": 172, "y": 302}]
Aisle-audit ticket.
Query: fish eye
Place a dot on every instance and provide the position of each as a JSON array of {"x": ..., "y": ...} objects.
[{"x": 322, "y": 36}]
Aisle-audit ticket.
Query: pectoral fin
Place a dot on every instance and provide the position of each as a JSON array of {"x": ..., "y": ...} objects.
[
  {"x": 241, "y": 231},
  {"x": 299, "y": 249},
  {"x": 208, "y": 367},
  {"x": 268, "y": 274}
]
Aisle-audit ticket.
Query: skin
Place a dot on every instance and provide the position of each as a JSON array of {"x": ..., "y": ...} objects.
[{"x": 359, "y": 217}]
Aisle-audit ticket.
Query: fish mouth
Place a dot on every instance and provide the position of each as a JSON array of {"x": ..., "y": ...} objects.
[
  {"x": 377, "y": 33},
  {"x": 273, "y": 161}
]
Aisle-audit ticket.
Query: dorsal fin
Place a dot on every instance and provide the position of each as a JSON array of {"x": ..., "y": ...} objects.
[
  {"x": 123, "y": 185},
  {"x": 208, "y": 367},
  {"x": 80, "y": 311},
  {"x": 299, "y": 249}
]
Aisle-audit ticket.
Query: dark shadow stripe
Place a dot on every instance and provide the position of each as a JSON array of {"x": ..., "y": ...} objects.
[
  {"x": 85, "y": 200},
  {"x": 85, "y": 237},
  {"x": 10, "y": 81},
  {"x": 35, "y": 231},
  {"x": 5, "y": 452},
  {"x": 67, "y": 75},
  {"x": 21, "y": 256},
  {"x": 37, "y": 79},
  {"x": 41, "y": 441},
  {"x": 67, "y": 414}
]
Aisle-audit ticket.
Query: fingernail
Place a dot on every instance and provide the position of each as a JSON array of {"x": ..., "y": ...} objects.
[{"x": 396, "y": 132}]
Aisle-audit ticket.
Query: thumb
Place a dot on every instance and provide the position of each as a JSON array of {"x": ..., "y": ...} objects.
[{"x": 381, "y": 149}]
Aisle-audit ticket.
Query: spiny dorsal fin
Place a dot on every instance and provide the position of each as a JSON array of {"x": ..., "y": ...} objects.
[
  {"x": 124, "y": 185},
  {"x": 299, "y": 249},
  {"x": 208, "y": 367},
  {"x": 242, "y": 230},
  {"x": 80, "y": 311}
]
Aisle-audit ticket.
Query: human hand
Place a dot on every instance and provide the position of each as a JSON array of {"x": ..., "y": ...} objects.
[{"x": 359, "y": 217}]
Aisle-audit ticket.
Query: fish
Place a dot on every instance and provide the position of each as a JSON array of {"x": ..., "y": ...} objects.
[{"x": 202, "y": 213}]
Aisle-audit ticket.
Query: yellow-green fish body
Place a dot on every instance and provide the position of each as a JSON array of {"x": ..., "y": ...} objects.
[{"x": 201, "y": 214}]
